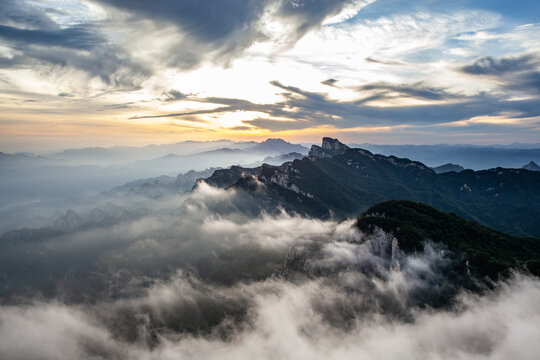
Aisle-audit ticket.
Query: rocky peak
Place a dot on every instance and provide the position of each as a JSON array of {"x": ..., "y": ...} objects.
[
  {"x": 333, "y": 144},
  {"x": 330, "y": 147}
]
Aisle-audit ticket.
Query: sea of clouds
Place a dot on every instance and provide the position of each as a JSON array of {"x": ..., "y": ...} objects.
[{"x": 207, "y": 275}]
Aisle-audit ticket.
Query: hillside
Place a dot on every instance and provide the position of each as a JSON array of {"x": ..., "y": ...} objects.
[{"x": 485, "y": 251}]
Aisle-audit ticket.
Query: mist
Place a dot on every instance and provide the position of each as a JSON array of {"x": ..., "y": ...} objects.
[
  {"x": 211, "y": 275},
  {"x": 33, "y": 184}
]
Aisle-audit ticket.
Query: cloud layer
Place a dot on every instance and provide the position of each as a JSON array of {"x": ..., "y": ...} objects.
[{"x": 201, "y": 277}]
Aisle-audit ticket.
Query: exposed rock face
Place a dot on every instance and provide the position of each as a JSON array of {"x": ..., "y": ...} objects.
[
  {"x": 330, "y": 147},
  {"x": 333, "y": 144},
  {"x": 345, "y": 182},
  {"x": 283, "y": 176}
]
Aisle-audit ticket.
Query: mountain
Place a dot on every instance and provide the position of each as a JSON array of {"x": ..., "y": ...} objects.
[
  {"x": 282, "y": 158},
  {"x": 227, "y": 177},
  {"x": 464, "y": 254},
  {"x": 69, "y": 221},
  {"x": 126, "y": 154},
  {"x": 278, "y": 146},
  {"x": 328, "y": 149},
  {"x": 161, "y": 185},
  {"x": 447, "y": 168},
  {"x": 14, "y": 161},
  {"x": 486, "y": 252},
  {"x": 468, "y": 156},
  {"x": 532, "y": 166},
  {"x": 338, "y": 181}
]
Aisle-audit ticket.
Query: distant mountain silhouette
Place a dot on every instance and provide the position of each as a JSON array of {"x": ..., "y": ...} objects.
[
  {"x": 448, "y": 168},
  {"x": 532, "y": 166}
]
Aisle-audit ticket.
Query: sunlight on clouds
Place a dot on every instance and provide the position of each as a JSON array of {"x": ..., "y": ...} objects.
[
  {"x": 503, "y": 119},
  {"x": 236, "y": 118},
  {"x": 140, "y": 60}
]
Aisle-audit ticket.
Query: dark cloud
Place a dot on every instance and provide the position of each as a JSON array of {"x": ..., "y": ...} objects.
[
  {"x": 308, "y": 14},
  {"x": 173, "y": 95},
  {"x": 79, "y": 37},
  {"x": 209, "y": 22},
  {"x": 216, "y": 31},
  {"x": 40, "y": 43},
  {"x": 278, "y": 125},
  {"x": 527, "y": 82},
  {"x": 491, "y": 66},
  {"x": 329, "y": 82},
  {"x": 231, "y": 106},
  {"x": 385, "y": 62},
  {"x": 314, "y": 109},
  {"x": 240, "y": 128},
  {"x": 219, "y": 31},
  {"x": 21, "y": 13},
  {"x": 417, "y": 90},
  {"x": 520, "y": 74}
]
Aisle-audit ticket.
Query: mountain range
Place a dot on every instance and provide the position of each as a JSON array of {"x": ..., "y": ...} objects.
[
  {"x": 337, "y": 181},
  {"x": 467, "y": 156},
  {"x": 30, "y": 185}
]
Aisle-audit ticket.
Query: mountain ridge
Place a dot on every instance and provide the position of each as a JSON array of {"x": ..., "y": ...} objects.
[{"x": 348, "y": 181}]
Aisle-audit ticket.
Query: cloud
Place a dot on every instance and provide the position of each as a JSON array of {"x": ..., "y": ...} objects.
[
  {"x": 519, "y": 74},
  {"x": 306, "y": 15},
  {"x": 212, "y": 32},
  {"x": 37, "y": 42},
  {"x": 78, "y": 37},
  {"x": 21, "y": 13},
  {"x": 385, "y": 62},
  {"x": 418, "y": 90},
  {"x": 343, "y": 296},
  {"x": 490, "y": 66},
  {"x": 301, "y": 109},
  {"x": 224, "y": 274},
  {"x": 143, "y": 237},
  {"x": 329, "y": 82},
  {"x": 173, "y": 95},
  {"x": 240, "y": 128},
  {"x": 284, "y": 324}
]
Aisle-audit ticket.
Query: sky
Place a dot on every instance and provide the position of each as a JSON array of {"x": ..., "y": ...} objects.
[{"x": 76, "y": 73}]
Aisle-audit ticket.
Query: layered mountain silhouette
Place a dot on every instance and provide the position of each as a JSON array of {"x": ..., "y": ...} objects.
[
  {"x": 448, "y": 168},
  {"x": 335, "y": 180}
]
